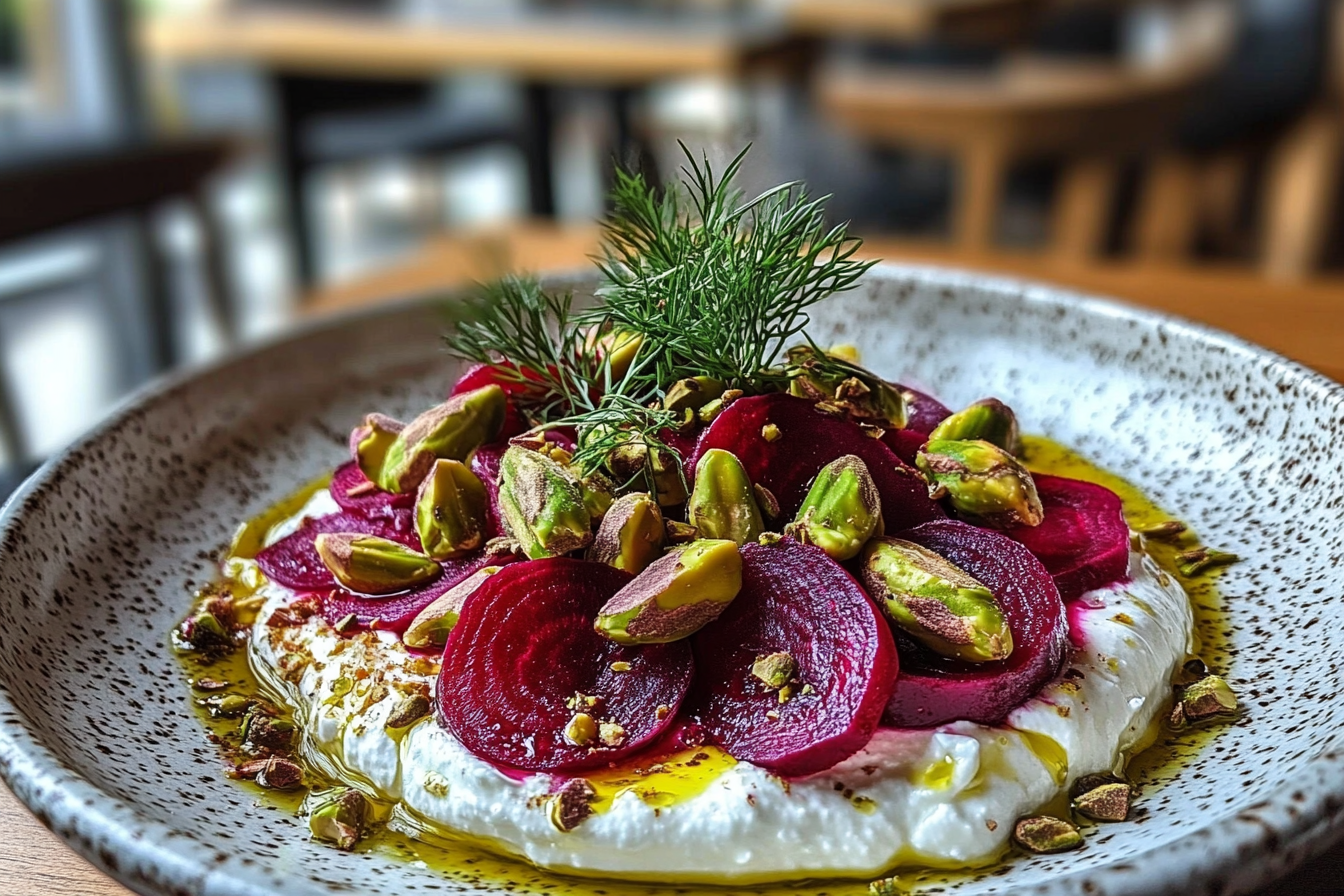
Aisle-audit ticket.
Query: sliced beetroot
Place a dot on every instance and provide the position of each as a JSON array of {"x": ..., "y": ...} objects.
[
  {"x": 923, "y": 412},
  {"x": 524, "y": 646},
  {"x": 395, "y": 612},
  {"x": 796, "y": 600},
  {"x": 933, "y": 690},
  {"x": 1084, "y": 539},
  {"x": 485, "y": 464},
  {"x": 353, "y": 492},
  {"x": 905, "y": 443},
  {"x": 293, "y": 561},
  {"x": 807, "y": 441}
]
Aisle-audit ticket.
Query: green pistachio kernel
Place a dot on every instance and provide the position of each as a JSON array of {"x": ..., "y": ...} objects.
[
  {"x": 723, "y": 503},
  {"x": 542, "y": 504},
  {"x": 982, "y": 481},
  {"x": 371, "y": 565},
  {"x": 936, "y": 602},
  {"x": 451, "y": 431},
  {"x": 450, "y": 510},
  {"x": 675, "y": 596},
  {"x": 631, "y": 535},
  {"x": 842, "y": 510}
]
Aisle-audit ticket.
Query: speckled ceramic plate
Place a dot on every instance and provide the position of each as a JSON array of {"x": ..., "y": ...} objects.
[{"x": 100, "y": 551}]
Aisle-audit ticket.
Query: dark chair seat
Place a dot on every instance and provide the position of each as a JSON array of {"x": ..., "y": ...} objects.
[{"x": 341, "y": 137}]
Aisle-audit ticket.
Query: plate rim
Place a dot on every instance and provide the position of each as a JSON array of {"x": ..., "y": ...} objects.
[{"x": 97, "y": 824}]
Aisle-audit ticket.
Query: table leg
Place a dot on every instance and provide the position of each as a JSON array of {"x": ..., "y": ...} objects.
[
  {"x": 1083, "y": 208},
  {"x": 291, "y": 114},
  {"x": 538, "y": 145},
  {"x": 983, "y": 167}
]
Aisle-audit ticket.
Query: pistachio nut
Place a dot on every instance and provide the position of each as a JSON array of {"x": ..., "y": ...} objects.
[
  {"x": 981, "y": 481},
  {"x": 262, "y": 731},
  {"x": 1108, "y": 802},
  {"x": 675, "y": 596},
  {"x": 988, "y": 419},
  {"x": 1192, "y": 563},
  {"x": 1046, "y": 834},
  {"x": 935, "y": 602},
  {"x": 409, "y": 709},
  {"x": 431, "y": 626},
  {"x": 1210, "y": 696},
  {"x": 632, "y": 461},
  {"x": 598, "y": 495},
  {"x": 572, "y": 804},
  {"x": 581, "y": 730},
  {"x": 450, "y": 510},
  {"x": 370, "y": 441},
  {"x": 723, "y": 504},
  {"x": 204, "y": 631},
  {"x": 451, "y": 430},
  {"x": 766, "y": 501},
  {"x": 368, "y": 564},
  {"x": 542, "y": 505},
  {"x": 855, "y": 393},
  {"x": 1167, "y": 530},
  {"x": 692, "y": 393},
  {"x": 679, "y": 533},
  {"x": 618, "y": 348},
  {"x": 775, "y": 670},
  {"x": 631, "y": 535},
  {"x": 338, "y": 816},
  {"x": 842, "y": 510},
  {"x": 278, "y": 773}
]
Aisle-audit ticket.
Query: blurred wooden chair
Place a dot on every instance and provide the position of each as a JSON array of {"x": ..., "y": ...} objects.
[
  {"x": 1269, "y": 137},
  {"x": 1090, "y": 115}
]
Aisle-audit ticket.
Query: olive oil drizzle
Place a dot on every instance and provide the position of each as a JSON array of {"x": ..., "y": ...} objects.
[{"x": 687, "y": 773}]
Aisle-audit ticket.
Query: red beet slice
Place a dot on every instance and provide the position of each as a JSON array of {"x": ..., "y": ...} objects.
[
  {"x": 353, "y": 492},
  {"x": 923, "y": 412},
  {"x": 1084, "y": 539},
  {"x": 395, "y": 612},
  {"x": 807, "y": 442},
  {"x": 797, "y": 600},
  {"x": 293, "y": 561},
  {"x": 933, "y": 690},
  {"x": 905, "y": 443},
  {"x": 524, "y": 645}
]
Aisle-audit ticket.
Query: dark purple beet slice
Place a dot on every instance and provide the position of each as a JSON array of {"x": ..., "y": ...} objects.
[
  {"x": 524, "y": 645},
  {"x": 293, "y": 561},
  {"x": 395, "y": 612},
  {"x": 485, "y": 464},
  {"x": 923, "y": 411},
  {"x": 797, "y": 600},
  {"x": 933, "y": 690},
  {"x": 807, "y": 442},
  {"x": 367, "y": 500},
  {"x": 1084, "y": 539},
  {"x": 905, "y": 443}
]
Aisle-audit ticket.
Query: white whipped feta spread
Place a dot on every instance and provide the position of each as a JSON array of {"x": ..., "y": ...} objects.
[{"x": 941, "y": 797}]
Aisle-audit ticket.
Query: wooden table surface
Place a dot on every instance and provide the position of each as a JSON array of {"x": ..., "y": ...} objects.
[
  {"x": 551, "y": 48},
  {"x": 1302, "y": 320}
]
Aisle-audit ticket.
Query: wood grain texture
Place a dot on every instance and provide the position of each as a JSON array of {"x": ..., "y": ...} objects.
[
  {"x": 1303, "y": 320},
  {"x": 546, "y": 49}
]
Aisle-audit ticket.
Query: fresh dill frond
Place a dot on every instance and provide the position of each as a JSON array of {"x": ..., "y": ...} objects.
[
  {"x": 714, "y": 285},
  {"x": 717, "y": 284},
  {"x": 532, "y": 338}
]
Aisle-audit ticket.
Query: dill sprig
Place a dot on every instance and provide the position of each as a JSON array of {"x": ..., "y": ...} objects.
[{"x": 716, "y": 285}]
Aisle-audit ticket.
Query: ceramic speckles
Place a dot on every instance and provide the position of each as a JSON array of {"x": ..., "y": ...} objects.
[{"x": 99, "y": 554}]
